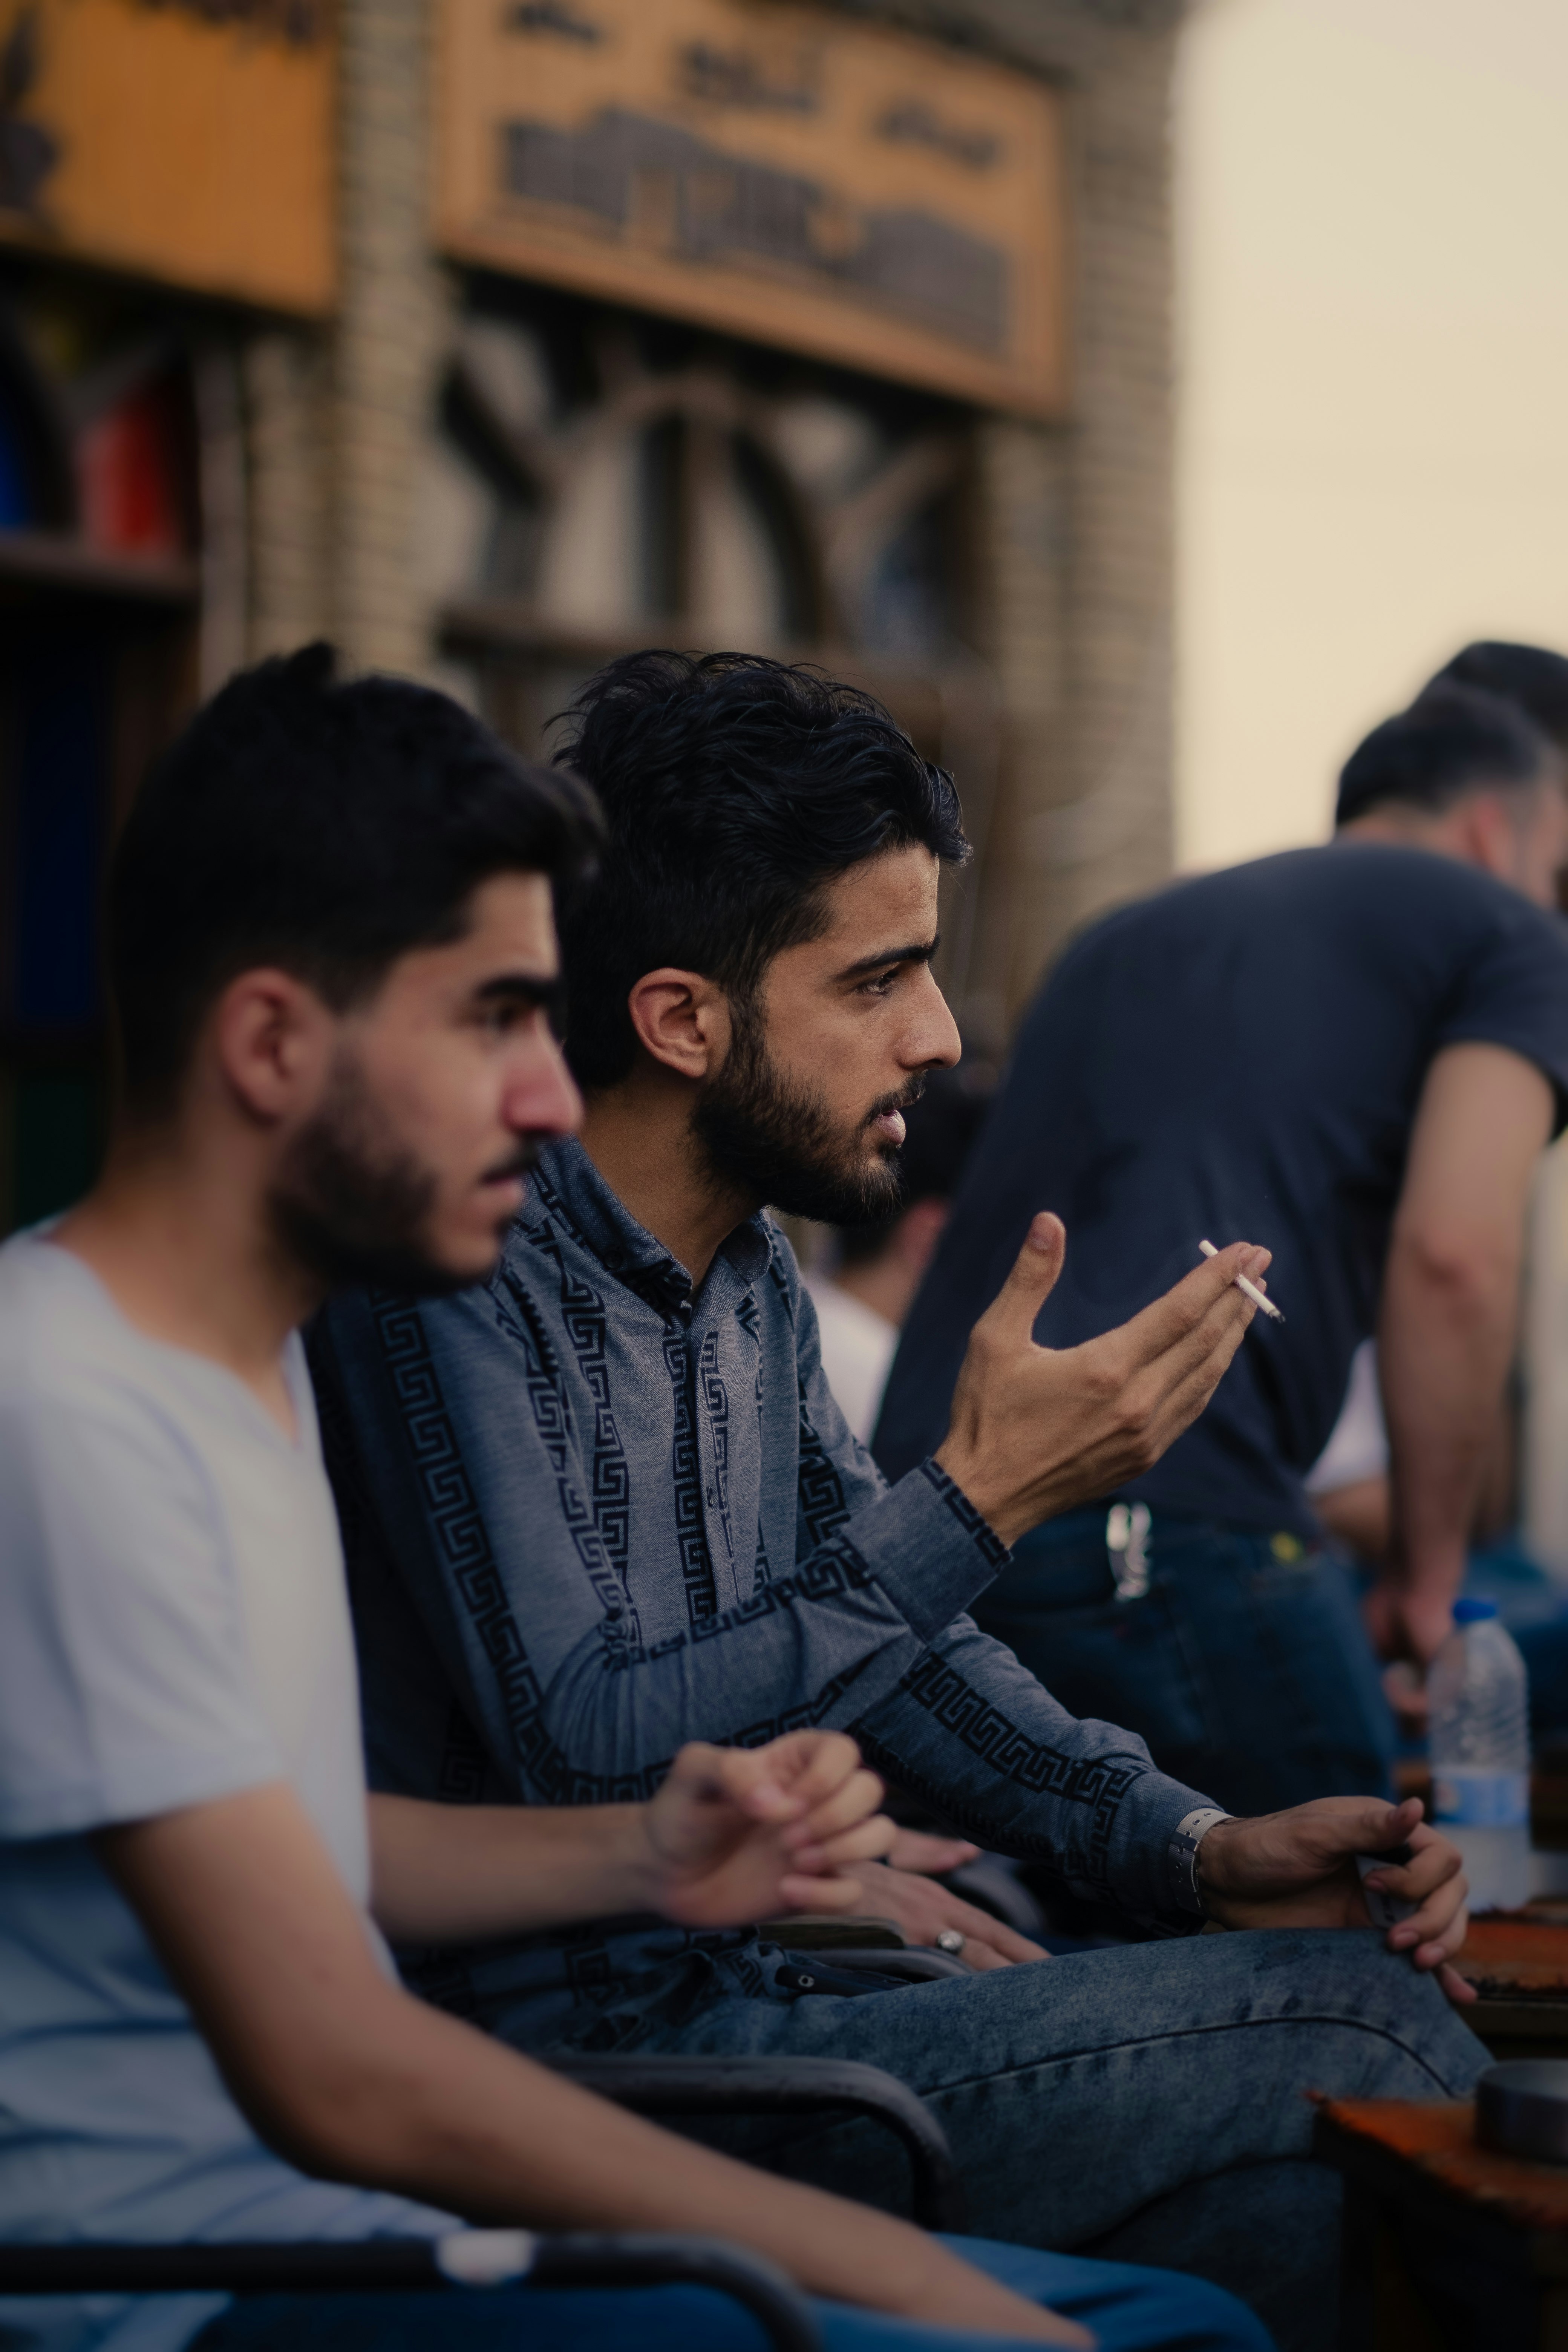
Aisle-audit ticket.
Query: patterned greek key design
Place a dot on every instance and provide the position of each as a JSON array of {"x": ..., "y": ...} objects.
[
  {"x": 823, "y": 1508},
  {"x": 463, "y": 1538},
  {"x": 716, "y": 1400},
  {"x": 1098, "y": 1783},
  {"x": 691, "y": 1533},
  {"x": 804, "y": 1717},
  {"x": 463, "y": 1761},
  {"x": 834, "y": 1568},
  {"x": 748, "y": 1316},
  {"x": 546, "y": 1392},
  {"x": 975, "y": 1526},
  {"x": 584, "y": 1317}
]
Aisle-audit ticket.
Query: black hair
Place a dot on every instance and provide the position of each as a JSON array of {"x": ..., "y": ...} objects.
[
  {"x": 323, "y": 827},
  {"x": 1530, "y": 676},
  {"x": 941, "y": 1128},
  {"x": 1453, "y": 739},
  {"x": 733, "y": 788}
]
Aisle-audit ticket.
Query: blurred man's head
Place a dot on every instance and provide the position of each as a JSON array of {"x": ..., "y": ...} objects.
[
  {"x": 1530, "y": 676},
  {"x": 331, "y": 952},
  {"x": 1466, "y": 774},
  {"x": 759, "y": 928},
  {"x": 883, "y": 1260}
]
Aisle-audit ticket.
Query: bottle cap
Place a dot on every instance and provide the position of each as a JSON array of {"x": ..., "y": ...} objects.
[{"x": 1471, "y": 1612}]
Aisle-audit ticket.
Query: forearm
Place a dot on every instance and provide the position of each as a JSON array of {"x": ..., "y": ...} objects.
[
  {"x": 986, "y": 1744},
  {"x": 1445, "y": 1339},
  {"x": 458, "y": 1874},
  {"x": 416, "y": 2103},
  {"x": 1450, "y": 1300}
]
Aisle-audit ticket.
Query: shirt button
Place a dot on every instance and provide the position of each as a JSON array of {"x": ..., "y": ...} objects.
[{"x": 709, "y": 1493}]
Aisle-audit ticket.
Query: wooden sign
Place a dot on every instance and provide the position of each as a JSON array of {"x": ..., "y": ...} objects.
[
  {"x": 841, "y": 188},
  {"x": 189, "y": 144}
]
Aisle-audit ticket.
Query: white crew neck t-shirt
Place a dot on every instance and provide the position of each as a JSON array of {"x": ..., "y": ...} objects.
[{"x": 173, "y": 1628}]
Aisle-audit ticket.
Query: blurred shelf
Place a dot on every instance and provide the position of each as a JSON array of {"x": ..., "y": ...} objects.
[{"x": 51, "y": 559}]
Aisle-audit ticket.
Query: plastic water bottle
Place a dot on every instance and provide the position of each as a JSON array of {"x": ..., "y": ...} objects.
[{"x": 1480, "y": 1737}]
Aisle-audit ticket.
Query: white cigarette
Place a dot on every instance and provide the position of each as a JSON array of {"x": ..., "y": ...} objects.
[{"x": 1251, "y": 1288}]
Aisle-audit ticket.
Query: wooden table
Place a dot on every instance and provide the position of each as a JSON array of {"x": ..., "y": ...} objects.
[
  {"x": 1518, "y": 1962},
  {"x": 1448, "y": 2248}
]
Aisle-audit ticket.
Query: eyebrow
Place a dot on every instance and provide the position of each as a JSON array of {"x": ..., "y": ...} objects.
[
  {"x": 918, "y": 951},
  {"x": 539, "y": 990}
]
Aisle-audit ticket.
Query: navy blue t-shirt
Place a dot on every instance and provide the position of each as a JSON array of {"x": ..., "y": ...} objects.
[{"x": 1240, "y": 1058}]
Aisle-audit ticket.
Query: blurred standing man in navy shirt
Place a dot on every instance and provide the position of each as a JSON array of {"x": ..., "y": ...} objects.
[{"x": 1355, "y": 1053}]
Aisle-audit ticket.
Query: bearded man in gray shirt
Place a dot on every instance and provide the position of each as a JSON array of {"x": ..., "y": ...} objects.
[{"x": 606, "y": 1504}]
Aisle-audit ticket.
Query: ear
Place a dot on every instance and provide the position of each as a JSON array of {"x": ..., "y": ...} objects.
[
  {"x": 273, "y": 1039},
  {"x": 682, "y": 1020},
  {"x": 1490, "y": 834}
]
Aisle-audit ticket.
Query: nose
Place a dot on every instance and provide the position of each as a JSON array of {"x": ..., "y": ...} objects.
[
  {"x": 542, "y": 1098},
  {"x": 934, "y": 1041}
]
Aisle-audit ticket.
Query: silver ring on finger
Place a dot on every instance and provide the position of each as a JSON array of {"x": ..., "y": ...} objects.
[{"x": 950, "y": 1940}]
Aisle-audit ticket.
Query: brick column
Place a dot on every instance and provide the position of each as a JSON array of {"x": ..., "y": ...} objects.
[
  {"x": 288, "y": 417},
  {"x": 390, "y": 335},
  {"x": 1074, "y": 522}
]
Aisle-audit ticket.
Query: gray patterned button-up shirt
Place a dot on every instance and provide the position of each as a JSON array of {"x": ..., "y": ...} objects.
[{"x": 590, "y": 1514}]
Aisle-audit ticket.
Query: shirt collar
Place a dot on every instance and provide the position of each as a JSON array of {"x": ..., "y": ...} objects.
[{"x": 567, "y": 1183}]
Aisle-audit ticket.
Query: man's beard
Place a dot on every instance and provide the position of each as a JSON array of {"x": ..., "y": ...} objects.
[
  {"x": 765, "y": 1135},
  {"x": 353, "y": 1204}
]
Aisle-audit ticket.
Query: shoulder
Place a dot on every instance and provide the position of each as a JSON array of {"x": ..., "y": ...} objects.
[{"x": 70, "y": 1365}]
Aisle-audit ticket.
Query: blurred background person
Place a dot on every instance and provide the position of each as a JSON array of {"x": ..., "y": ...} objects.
[
  {"x": 874, "y": 1271},
  {"x": 1359, "y": 1050}
]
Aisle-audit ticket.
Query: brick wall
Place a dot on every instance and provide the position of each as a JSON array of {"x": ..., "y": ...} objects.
[
  {"x": 1073, "y": 522},
  {"x": 1077, "y": 542}
]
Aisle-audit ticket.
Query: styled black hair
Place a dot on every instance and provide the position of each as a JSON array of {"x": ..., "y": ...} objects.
[
  {"x": 1453, "y": 739},
  {"x": 941, "y": 1128},
  {"x": 733, "y": 788},
  {"x": 1531, "y": 676},
  {"x": 325, "y": 828}
]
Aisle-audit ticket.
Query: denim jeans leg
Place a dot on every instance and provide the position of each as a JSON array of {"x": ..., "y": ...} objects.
[
  {"x": 1244, "y": 1666},
  {"x": 1086, "y": 2093}
]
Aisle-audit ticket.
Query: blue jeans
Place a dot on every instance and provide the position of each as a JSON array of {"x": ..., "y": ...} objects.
[
  {"x": 1145, "y": 2103},
  {"x": 1244, "y": 1665},
  {"x": 1129, "y": 2311}
]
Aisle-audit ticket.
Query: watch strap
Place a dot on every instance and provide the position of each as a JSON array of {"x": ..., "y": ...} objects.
[{"x": 1183, "y": 1852}]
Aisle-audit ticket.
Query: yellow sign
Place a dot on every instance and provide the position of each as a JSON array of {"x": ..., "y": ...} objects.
[
  {"x": 838, "y": 187},
  {"x": 190, "y": 145}
]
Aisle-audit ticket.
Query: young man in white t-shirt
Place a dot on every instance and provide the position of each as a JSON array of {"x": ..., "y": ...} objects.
[{"x": 333, "y": 955}]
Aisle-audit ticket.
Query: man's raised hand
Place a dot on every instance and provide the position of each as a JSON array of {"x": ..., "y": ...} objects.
[
  {"x": 742, "y": 1834},
  {"x": 1037, "y": 1431}
]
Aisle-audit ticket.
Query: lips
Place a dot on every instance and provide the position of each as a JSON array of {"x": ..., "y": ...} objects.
[{"x": 890, "y": 1126}]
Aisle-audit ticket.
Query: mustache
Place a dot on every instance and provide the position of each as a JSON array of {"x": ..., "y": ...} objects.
[
  {"x": 903, "y": 1099},
  {"x": 518, "y": 1161}
]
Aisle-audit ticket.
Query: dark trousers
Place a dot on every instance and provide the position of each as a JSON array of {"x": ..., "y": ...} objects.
[{"x": 1242, "y": 1664}]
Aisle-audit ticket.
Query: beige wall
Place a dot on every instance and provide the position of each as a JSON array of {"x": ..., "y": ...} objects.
[{"x": 1374, "y": 345}]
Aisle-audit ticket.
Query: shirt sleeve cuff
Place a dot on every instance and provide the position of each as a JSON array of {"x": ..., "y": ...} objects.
[
  {"x": 136, "y": 1791},
  {"x": 929, "y": 1548}
]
